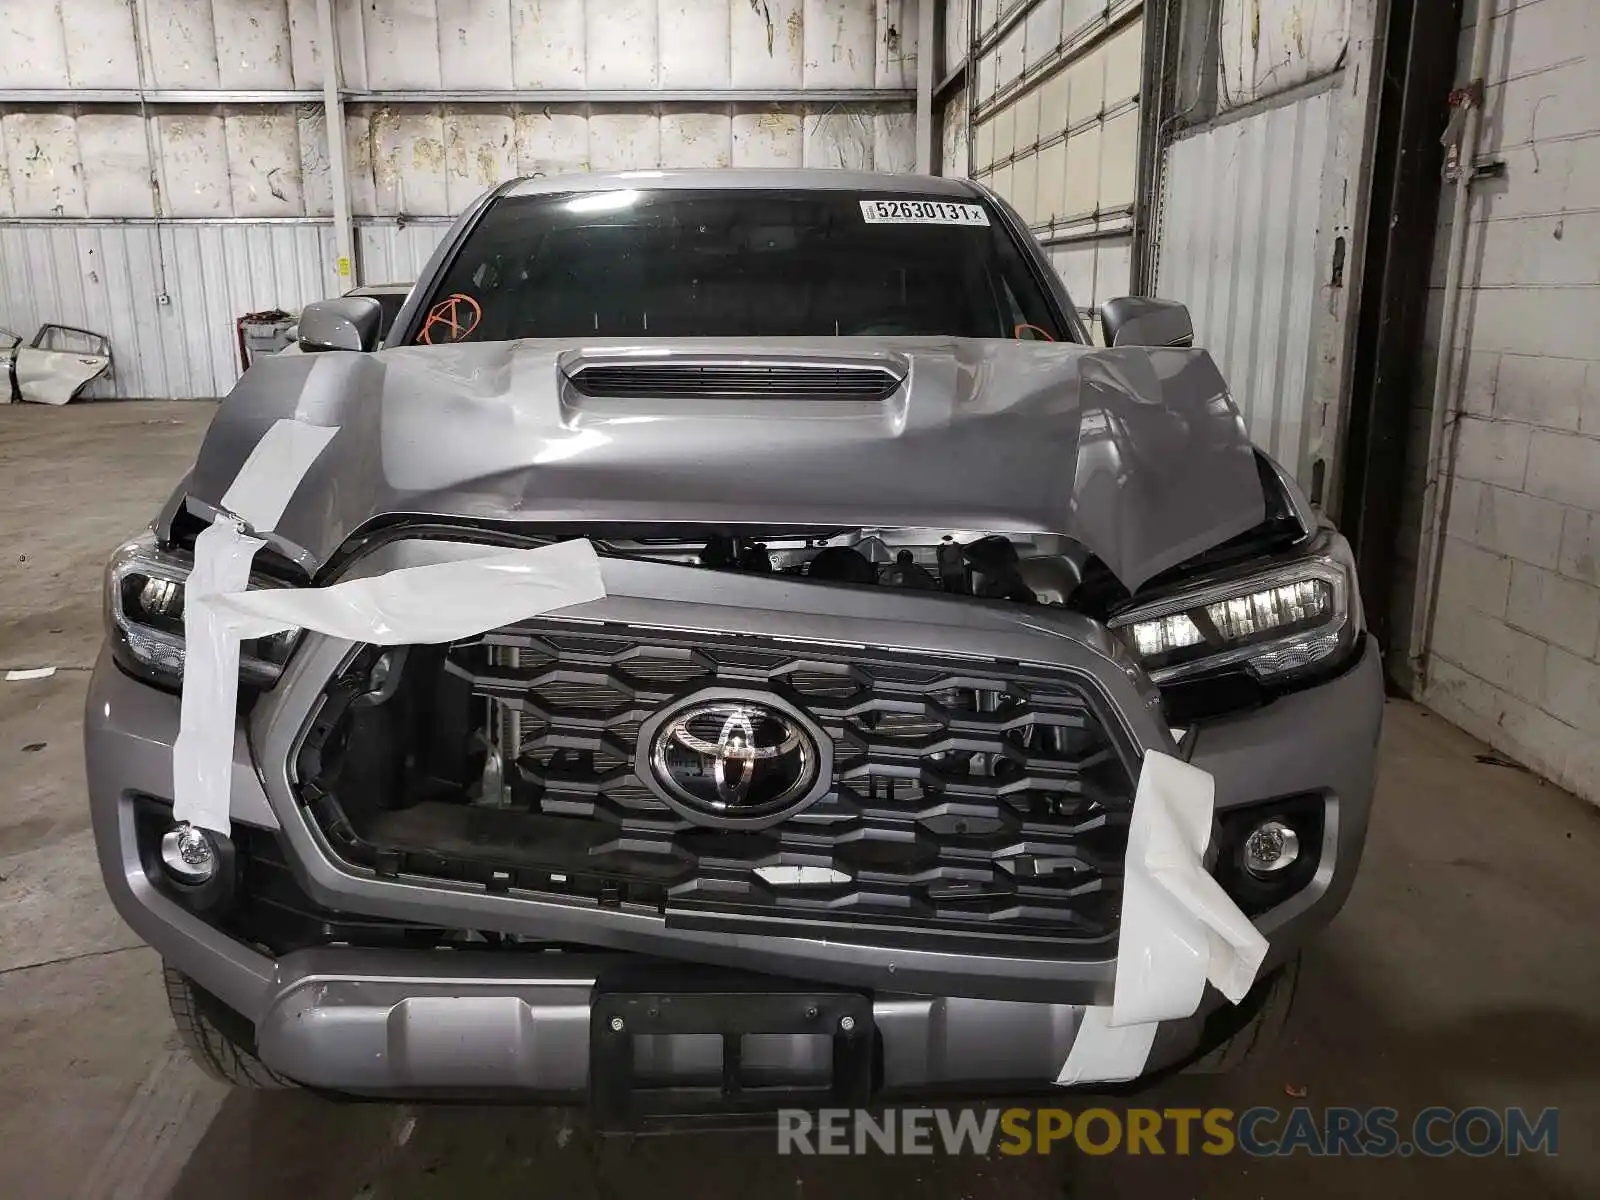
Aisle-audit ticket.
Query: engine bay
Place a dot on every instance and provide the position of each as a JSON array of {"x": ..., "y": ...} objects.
[{"x": 1023, "y": 568}]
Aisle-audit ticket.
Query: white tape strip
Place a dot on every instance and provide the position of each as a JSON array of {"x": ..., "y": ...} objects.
[
  {"x": 1179, "y": 928},
  {"x": 267, "y": 481},
  {"x": 202, "y": 756},
  {"x": 440, "y": 602},
  {"x": 437, "y": 603}
]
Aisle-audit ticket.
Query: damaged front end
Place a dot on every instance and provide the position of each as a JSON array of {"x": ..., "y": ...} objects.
[{"x": 802, "y": 722}]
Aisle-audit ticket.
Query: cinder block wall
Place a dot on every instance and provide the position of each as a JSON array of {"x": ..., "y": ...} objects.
[{"x": 1516, "y": 636}]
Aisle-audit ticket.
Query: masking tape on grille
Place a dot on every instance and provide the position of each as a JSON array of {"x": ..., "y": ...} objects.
[
  {"x": 1179, "y": 928},
  {"x": 438, "y": 602}
]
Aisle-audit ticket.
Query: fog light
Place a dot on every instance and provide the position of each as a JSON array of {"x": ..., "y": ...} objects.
[
  {"x": 1271, "y": 847},
  {"x": 187, "y": 854}
]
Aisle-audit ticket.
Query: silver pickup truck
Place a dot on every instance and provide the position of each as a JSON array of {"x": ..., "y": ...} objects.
[{"x": 829, "y": 796}]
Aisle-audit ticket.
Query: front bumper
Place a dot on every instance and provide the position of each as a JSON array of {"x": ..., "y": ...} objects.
[{"x": 420, "y": 1020}]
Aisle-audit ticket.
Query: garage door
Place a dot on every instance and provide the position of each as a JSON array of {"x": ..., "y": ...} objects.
[{"x": 1052, "y": 124}]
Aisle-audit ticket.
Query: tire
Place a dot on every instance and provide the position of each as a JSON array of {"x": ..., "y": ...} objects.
[
  {"x": 220, "y": 1041},
  {"x": 1259, "y": 1033}
]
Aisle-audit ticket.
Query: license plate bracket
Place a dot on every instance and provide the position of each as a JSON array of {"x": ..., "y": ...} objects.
[{"x": 619, "y": 1099}]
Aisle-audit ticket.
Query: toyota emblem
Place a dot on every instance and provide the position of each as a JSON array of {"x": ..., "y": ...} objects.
[{"x": 728, "y": 759}]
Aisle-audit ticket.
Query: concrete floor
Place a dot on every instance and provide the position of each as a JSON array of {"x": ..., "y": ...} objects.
[{"x": 1465, "y": 971}]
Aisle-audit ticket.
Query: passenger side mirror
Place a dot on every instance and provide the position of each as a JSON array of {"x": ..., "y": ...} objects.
[
  {"x": 346, "y": 323},
  {"x": 1143, "y": 321}
]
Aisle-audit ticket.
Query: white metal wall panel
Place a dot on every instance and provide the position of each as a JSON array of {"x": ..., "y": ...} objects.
[
  {"x": 768, "y": 44},
  {"x": 695, "y": 44},
  {"x": 399, "y": 44},
  {"x": 838, "y": 39},
  {"x": 768, "y": 139},
  {"x": 1057, "y": 131},
  {"x": 953, "y": 134},
  {"x": 305, "y": 41},
  {"x": 118, "y": 146},
  {"x": 895, "y": 44},
  {"x": 166, "y": 295},
  {"x": 193, "y": 170},
  {"x": 416, "y": 160},
  {"x": 696, "y": 139},
  {"x": 401, "y": 40},
  {"x": 263, "y": 159},
  {"x": 957, "y": 31},
  {"x": 394, "y": 253},
  {"x": 547, "y": 43},
  {"x": 43, "y": 166},
  {"x": 1268, "y": 46},
  {"x": 624, "y": 140},
  {"x": 408, "y": 161},
  {"x": 480, "y": 151},
  {"x": 622, "y": 48},
  {"x": 554, "y": 141},
  {"x": 250, "y": 161},
  {"x": 180, "y": 43},
  {"x": 36, "y": 45},
  {"x": 253, "y": 45},
  {"x": 1238, "y": 246},
  {"x": 475, "y": 44}
]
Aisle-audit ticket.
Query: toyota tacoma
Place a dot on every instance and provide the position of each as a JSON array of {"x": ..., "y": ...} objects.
[{"x": 829, "y": 795}]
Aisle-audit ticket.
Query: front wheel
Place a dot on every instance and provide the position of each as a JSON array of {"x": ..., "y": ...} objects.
[
  {"x": 1260, "y": 1032},
  {"x": 220, "y": 1041}
]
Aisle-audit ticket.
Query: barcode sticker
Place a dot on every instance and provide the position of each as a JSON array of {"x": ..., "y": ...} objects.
[{"x": 922, "y": 212}]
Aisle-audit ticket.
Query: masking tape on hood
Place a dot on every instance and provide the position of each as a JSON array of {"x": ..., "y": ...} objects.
[
  {"x": 438, "y": 602},
  {"x": 1179, "y": 928}
]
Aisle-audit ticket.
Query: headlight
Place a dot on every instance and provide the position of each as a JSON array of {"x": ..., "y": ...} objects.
[
  {"x": 144, "y": 618},
  {"x": 1275, "y": 622}
]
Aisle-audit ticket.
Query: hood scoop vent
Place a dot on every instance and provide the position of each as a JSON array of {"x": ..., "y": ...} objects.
[{"x": 734, "y": 381}]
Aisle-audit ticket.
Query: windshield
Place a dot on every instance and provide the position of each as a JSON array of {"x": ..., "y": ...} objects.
[{"x": 737, "y": 263}]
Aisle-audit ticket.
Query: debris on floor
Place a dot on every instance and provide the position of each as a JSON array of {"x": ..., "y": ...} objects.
[
  {"x": 25, "y": 673},
  {"x": 1495, "y": 759}
]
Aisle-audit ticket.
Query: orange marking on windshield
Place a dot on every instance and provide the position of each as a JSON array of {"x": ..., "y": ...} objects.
[{"x": 457, "y": 315}]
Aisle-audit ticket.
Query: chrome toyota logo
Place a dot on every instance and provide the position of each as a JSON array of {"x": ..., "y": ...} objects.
[{"x": 728, "y": 759}]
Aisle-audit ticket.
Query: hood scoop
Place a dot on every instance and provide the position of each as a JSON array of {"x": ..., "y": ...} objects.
[{"x": 667, "y": 379}]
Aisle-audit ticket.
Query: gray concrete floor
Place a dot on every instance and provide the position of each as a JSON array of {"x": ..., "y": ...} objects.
[{"x": 1465, "y": 971}]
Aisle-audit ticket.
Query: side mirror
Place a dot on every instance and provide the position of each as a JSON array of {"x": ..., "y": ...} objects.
[
  {"x": 347, "y": 323},
  {"x": 1142, "y": 321}
]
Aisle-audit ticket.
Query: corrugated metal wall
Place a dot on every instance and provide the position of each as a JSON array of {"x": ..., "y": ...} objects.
[
  {"x": 1055, "y": 129},
  {"x": 1238, "y": 245},
  {"x": 166, "y": 294},
  {"x": 208, "y": 115},
  {"x": 1262, "y": 191}
]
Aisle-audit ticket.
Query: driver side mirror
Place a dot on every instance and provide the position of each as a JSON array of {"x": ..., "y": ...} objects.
[
  {"x": 345, "y": 323},
  {"x": 1143, "y": 321}
]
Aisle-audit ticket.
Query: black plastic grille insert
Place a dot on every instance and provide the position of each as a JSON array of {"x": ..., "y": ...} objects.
[{"x": 971, "y": 799}]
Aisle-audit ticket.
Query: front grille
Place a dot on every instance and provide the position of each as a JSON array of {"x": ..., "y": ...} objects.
[
  {"x": 969, "y": 799},
  {"x": 715, "y": 381}
]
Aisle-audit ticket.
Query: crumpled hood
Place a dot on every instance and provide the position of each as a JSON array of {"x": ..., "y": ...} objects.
[{"x": 1138, "y": 454}]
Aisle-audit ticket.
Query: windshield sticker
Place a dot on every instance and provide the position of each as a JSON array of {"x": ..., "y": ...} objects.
[
  {"x": 923, "y": 212},
  {"x": 450, "y": 320}
]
